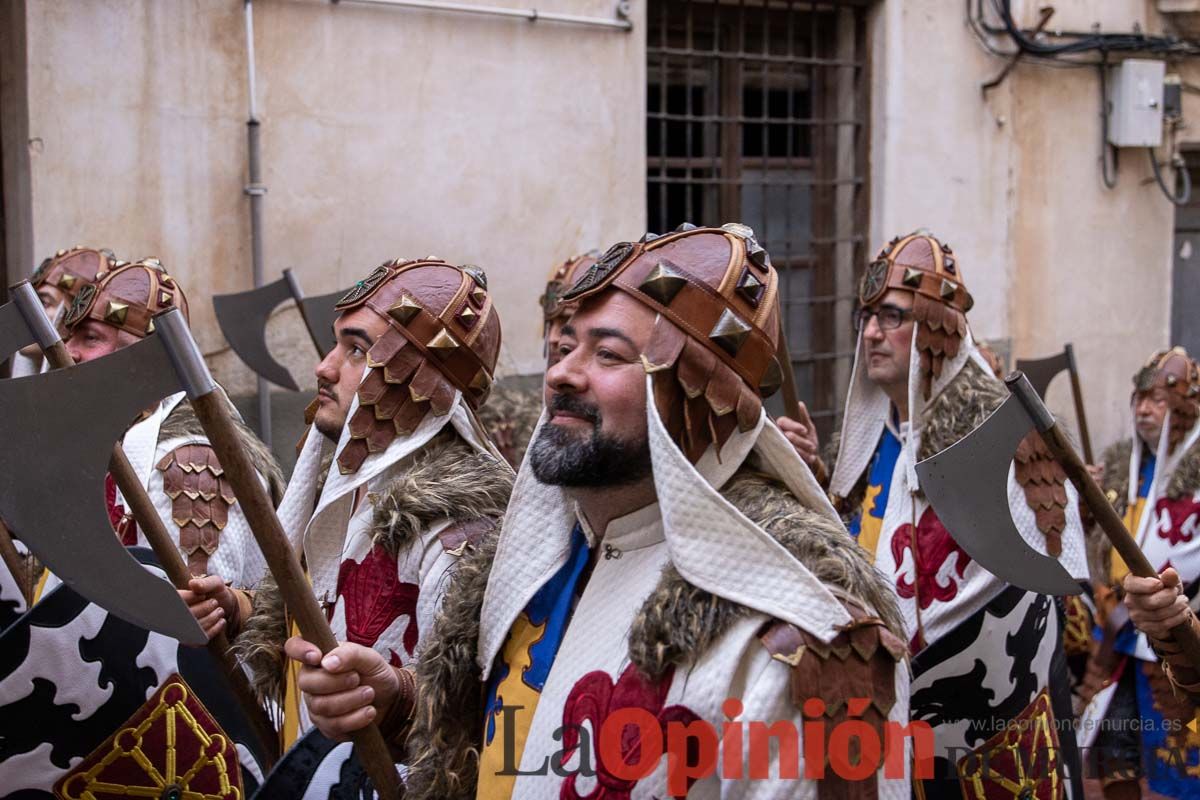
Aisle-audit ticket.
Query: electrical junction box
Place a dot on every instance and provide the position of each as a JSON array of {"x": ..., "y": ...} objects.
[{"x": 1135, "y": 97}]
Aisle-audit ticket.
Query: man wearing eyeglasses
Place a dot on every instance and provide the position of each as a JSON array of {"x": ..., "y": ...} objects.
[{"x": 985, "y": 654}]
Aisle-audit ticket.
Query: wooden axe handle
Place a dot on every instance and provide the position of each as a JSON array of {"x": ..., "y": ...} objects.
[
  {"x": 298, "y": 298},
  {"x": 1085, "y": 439},
  {"x": 791, "y": 397},
  {"x": 1106, "y": 517},
  {"x": 297, "y": 594},
  {"x": 143, "y": 511}
]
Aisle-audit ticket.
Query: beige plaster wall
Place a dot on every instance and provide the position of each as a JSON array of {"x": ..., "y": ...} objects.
[
  {"x": 385, "y": 132},
  {"x": 1013, "y": 181}
]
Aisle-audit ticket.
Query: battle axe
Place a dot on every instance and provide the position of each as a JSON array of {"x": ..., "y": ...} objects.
[
  {"x": 151, "y": 524},
  {"x": 967, "y": 485},
  {"x": 174, "y": 342},
  {"x": 51, "y": 474},
  {"x": 1040, "y": 371},
  {"x": 243, "y": 319}
]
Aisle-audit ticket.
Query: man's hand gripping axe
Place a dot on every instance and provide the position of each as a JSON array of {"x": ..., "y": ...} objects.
[
  {"x": 243, "y": 319},
  {"x": 27, "y": 320},
  {"x": 967, "y": 485}
]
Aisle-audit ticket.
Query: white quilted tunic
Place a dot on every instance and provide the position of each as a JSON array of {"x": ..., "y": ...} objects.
[{"x": 715, "y": 548}]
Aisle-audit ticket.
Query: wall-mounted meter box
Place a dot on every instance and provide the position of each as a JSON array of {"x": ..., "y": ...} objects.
[{"x": 1135, "y": 96}]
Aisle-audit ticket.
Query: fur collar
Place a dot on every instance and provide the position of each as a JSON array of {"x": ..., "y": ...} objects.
[
  {"x": 676, "y": 624},
  {"x": 183, "y": 422},
  {"x": 1185, "y": 480},
  {"x": 446, "y": 479}
]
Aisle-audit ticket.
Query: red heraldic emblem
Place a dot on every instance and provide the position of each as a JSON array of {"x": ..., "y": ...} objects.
[
  {"x": 934, "y": 547},
  {"x": 1021, "y": 761},
  {"x": 593, "y": 699},
  {"x": 375, "y": 598},
  {"x": 1177, "y": 519},
  {"x": 171, "y": 747}
]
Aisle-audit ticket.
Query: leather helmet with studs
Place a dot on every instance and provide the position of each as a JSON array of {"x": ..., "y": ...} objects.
[
  {"x": 70, "y": 270},
  {"x": 928, "y": 269},
  {"x": 1176, "y": 372},
  {"x": 713, "y": 349},
  {"x": 443, "y": 336},
  {"x": 128, "y": 297}
]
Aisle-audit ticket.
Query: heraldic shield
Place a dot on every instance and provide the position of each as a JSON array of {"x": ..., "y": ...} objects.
[
  {"x": 72, "y": 676},
  {"x": 991, "y": 690},
  {"x": 170, "y": 748},
  {"x": 1021, "y": 761}
]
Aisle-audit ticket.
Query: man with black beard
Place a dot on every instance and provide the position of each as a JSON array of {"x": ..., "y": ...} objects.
[
  {"x": 603, "y": 460},
  {"x": 665, "y": 555}
]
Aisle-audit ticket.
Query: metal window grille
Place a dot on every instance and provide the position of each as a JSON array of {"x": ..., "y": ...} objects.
[{"x": 757, "y": 113}]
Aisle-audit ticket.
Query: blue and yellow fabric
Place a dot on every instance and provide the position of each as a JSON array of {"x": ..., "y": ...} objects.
[
  {"x": 867, "y": 524},
  {"x": 521, "y": 671}
]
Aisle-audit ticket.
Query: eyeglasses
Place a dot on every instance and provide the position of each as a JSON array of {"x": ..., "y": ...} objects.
[{"x": 888, "y": 317}]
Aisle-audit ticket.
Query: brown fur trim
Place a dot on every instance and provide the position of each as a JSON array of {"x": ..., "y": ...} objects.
[
  {"x": 675, "y": 625},
  {"x": 1185, "y": 480},
  {"x": 970, "y": 397},
  {"x": 958, "y": 409},
  {"x": 259, "y": 644},
  {"x": 182, "y": 422},
  {"x": 1116, "y": 487},
  {"x": 447, "y": 479},
  {"x": 443, "y": 743},
  {"x": 510, "y": 415}
]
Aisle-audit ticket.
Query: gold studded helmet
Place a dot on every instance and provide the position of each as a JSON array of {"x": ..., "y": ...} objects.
[
  {"x": 71, "y": 270},
  {"x": 1176, "y": 372},
  {"x": 127, "y": 297},
  {"x": 561, "y": 278},
  {"x": 712, "y": 351},
  {"x": 929, "y": 270},
  {"x": 443, "y": 335}
]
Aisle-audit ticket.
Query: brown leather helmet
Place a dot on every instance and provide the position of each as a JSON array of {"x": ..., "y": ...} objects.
[
  {"x": 127, "y": 297},
  {"x": 71, "y": 270},
  {"x": 712, "y": 351},
  {"x": 929, "y": 270},
  {"x": 561, "y": 278},
  {"x": 443, "y": 335},
  {"x": 1176, "y": 372}
]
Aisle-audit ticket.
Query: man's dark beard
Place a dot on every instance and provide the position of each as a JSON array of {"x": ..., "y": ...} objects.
[
  {"x": 561, "y": 458},
  {"x": 329, "y": 431}
]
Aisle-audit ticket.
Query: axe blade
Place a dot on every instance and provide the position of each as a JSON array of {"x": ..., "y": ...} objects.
[
  {"x": 1040, "y": 371},
  {"x": 52, "y": 479},
  {"x": 319, "y": 313},
  {"x": 243, "y": 319},
  {"x": 967, "y": 485}
]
